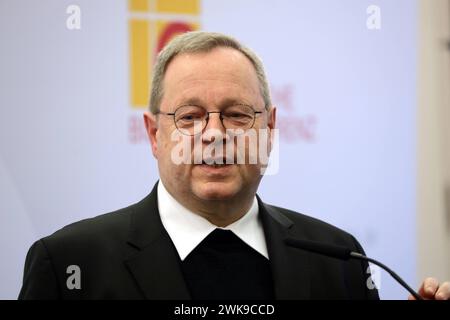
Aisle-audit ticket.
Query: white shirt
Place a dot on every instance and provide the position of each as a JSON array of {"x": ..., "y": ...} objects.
[{"x": 187, "y": 229}]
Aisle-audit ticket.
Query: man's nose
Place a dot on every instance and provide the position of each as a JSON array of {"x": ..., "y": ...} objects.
[{"x": 214, "y": 123}]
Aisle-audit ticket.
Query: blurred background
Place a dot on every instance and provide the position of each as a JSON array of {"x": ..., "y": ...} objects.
[{"x": 361, "y": 87}]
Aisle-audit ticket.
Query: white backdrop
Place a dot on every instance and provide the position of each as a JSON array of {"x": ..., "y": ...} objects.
[{"x": 346, "y": 100}]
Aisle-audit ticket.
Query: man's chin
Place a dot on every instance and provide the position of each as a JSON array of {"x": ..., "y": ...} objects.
[{"x": 216, "y": 191}]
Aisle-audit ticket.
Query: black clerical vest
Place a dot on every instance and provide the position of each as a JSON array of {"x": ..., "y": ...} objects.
[{"x": 223, "y": 266}]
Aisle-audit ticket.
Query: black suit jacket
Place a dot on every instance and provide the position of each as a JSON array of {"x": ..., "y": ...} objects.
[{"x": 127, "y": 254}]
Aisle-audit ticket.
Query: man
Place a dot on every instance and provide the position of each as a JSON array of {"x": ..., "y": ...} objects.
[{"x": 202, "y": 233}]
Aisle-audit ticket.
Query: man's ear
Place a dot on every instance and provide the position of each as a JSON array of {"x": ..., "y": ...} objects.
[
  {"x": 272, "y": 117},
  {"x": 271, "y": 122},
  {"x": 151, "y": 126}
]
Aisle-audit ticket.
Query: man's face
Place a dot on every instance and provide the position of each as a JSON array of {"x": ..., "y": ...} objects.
[{"x": 213, "y": 80}]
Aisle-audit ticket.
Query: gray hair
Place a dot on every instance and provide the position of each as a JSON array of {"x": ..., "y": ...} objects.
[{"x": 199, "y": 42}]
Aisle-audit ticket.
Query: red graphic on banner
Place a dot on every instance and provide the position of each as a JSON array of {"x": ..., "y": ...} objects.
[
  {"x": 293, "y": 128},
  {"x": 170, "y": 31}
]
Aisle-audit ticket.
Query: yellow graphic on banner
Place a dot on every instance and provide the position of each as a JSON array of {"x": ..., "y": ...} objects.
[
  {"x": 138, "y": 5},
  {"x": 152, "y": 24},
  {"x": 178, "y": 6},
  {"x": 139, "y": 61}
]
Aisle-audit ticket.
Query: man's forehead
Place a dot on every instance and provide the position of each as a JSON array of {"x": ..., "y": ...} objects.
[{"x": 216, "y": 94}]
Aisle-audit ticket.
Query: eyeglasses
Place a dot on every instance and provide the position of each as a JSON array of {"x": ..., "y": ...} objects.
[{"x": 187, "y": 117}]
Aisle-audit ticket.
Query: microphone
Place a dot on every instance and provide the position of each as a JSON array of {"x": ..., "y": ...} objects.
[{"x": 345, "y": 253}]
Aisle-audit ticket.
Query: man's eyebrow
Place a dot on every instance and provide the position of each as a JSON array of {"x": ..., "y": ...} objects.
[
  {"x": 192, "y": 101},
  {"x": 232, "y": 101}
]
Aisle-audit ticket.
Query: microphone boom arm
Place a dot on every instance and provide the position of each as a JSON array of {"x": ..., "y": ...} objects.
[
  {"x": 345, "y": 253},
  {"x": 360, "y": 256}
]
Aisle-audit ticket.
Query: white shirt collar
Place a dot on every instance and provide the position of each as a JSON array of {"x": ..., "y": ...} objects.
[{"x": 187, "y": 229}]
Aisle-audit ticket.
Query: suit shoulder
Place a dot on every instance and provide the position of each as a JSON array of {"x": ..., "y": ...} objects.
[
  {"x": 314, "y": 229},
  {"x": 104, "y": 227}
]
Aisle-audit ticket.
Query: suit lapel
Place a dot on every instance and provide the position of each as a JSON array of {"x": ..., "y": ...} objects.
[
  {"x": 290, "y": 267},
  {"x": 154, "y": 263}
]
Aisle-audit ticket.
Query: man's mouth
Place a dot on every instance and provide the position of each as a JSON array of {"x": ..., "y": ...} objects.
[
  {"x": 217, "y": 162},
  {"x": 215, "y": 165}
]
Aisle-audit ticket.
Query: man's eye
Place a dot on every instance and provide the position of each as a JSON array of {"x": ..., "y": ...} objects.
[
  {"x": 189, "y": 117},
  {"x": 237, "y": 115}
]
